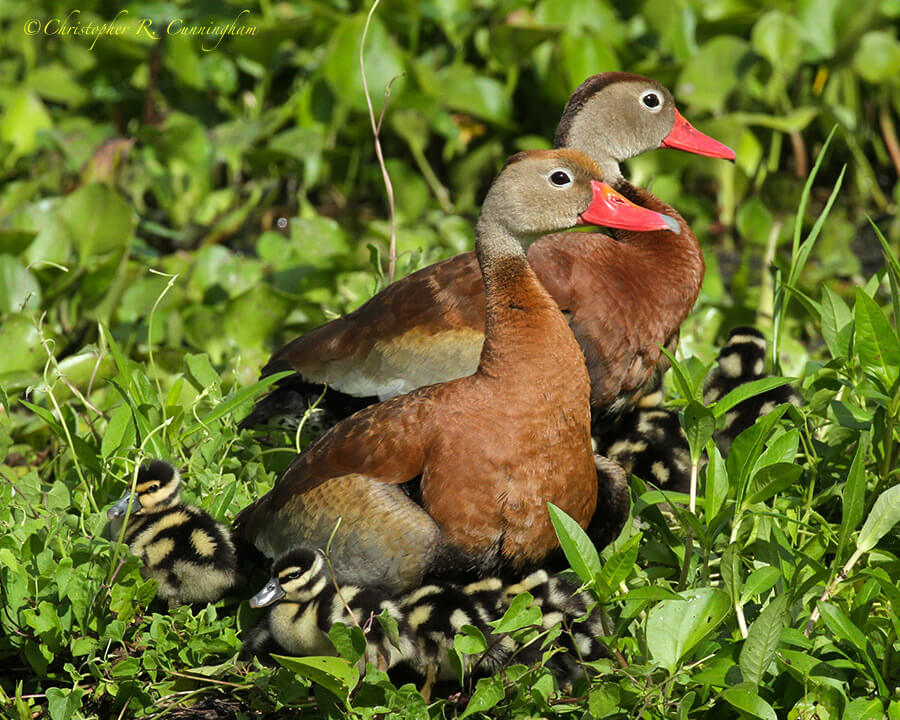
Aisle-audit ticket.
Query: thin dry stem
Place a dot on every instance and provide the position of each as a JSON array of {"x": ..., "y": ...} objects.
[
  {"x": 376, "y": 132},
  {"x": 890, "y": 136}
]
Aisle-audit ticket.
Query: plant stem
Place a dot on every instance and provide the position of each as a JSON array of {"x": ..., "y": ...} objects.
[
  {"x": 831, "y": 589},
  {"x": 890, "y": 136}
]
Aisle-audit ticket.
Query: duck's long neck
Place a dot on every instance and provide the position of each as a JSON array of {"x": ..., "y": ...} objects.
[{"x": 515, "y": 301}]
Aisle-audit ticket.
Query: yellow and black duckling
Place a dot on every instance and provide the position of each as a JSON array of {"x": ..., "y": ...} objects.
[
  {"x": 742, "y": 359},
  {"x": 305, "y": 603},
  {"x": 190, "y": 555}
]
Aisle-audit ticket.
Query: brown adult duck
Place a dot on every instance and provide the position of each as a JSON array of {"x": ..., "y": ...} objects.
[
  {"x": 623, "y": 296},
  {"x": 490, "y": 449}
]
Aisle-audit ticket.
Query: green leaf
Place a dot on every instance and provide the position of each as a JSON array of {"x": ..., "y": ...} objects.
[
  {"x": 842, "y": 626},
  {"x": 488, "y": 692},
  {"x": 763, "y": 638},
  {"x": 470, "y": 640},
  {"x": 777, "y": 37},
  {"x": 759, "y": 581},
  {"x": 884, "y": 515},
  {"x": 334, "y": 674},
  {"x": 350, "y": 642},
  {"x": 837, "y": 322},
  {"x": 119, "y": 428},
  {"x": 716, "y": 482},
  {"x": 522, "y": 612},
  {"x": 699, "y": 425},
  {"x": 731, "y": 570},
  {"x": 854, "y": 494},
  {"x": 864, "y": 709},
  {"x": 707, "y": 90},
  {"x": 749, "y": 702},
  {"x": 675, "y": 627},
  {"x": 19, "y": 331},
  {"x": 97, "y": 219},
  {"x": 19, "y": 289},
  {"x": 772, "y": 480},
  {"x": 654, "y": 592},
  {"x": 577, "y": 546},
  {"x": 617, "y": 568},
  {"x": 23, "y": 119},
  {"x": 876, "y": 339},
  {"x": 877, "y": 57},
  {"x": 748, "y": 390}
]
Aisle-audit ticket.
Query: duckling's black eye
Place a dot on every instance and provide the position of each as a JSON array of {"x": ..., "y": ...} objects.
[
  {"x": 153, "y": 488},
  {"x": 560, "y": 178},
  {"x": 651, "y": 100}
]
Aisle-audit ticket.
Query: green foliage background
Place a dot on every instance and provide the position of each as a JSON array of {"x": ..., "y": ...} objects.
[{"x": 173, "y": 209}]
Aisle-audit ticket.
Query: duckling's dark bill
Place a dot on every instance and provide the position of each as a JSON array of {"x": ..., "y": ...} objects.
[
  {"x": 610, "y": 209},
  {"x": 685, "y": 136},
  {"x": 121, "y": 507},
  {"x": 269, "y": 594}
]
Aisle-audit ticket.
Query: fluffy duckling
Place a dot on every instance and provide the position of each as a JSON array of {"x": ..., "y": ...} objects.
[
  {"x": 190, "y": 555},
  {"x": 742, "y": 359},
  {"x": 305, "y": 603}
]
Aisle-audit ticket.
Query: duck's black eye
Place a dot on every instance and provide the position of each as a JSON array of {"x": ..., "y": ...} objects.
[
  {"x": 560, "y": 178},
  {"x": 153, "y": 488},
  {"x": 651, "y": 100}
]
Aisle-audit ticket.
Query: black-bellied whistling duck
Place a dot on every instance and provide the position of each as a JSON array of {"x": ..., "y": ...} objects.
[
  {"x": 622, "y": 297},
  {"x": 304, "y": 603},
  {"x": 492, "y": 448},
  {"x": 190, "y": 555}
]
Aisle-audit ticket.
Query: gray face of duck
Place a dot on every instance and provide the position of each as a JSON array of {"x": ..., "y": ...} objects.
[
  {"x": 158, "y": 487},
  {"x": 299, "y": 576}
]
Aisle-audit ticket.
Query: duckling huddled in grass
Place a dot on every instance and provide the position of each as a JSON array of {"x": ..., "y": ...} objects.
[
  {"x": 190, "y": 555},
  {"x": 305, "y": 602}
]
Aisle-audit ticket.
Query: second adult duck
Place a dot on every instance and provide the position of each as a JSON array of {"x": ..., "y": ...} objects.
[
  {"x": 492, "y": 448},
  {"x": 623, "y": 297}
]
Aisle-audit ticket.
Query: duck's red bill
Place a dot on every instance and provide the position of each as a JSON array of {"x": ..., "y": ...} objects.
[
  {"x": 685, "y": 136},
  {"x": 610, "y": 209}
]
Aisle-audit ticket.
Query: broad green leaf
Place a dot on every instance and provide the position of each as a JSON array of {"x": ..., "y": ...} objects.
[
  {"x": 716, "y": 482},
  {"x": 750, "y": 703},
  {"x": 119, "y": 430},
  {"x": 841, "y": 625},
  {"x": 617, "y": 568},
  {"x": 650, "y": 593},
  {"x": 746, "y": 449},
  {"x": 854, "y": 494},
  {"x": 877, "y": 57},
  {"x": 675, "y": 627},
  {"x": 699, "y": 425},
  {"x": 748, "y": 390},
  {"x": 759, "y": 581},
  {"x": 97, "y": 219},
  {"x": 350, "y": 642},
  {"x": 837, "y": 322},
  {"x": 772, "y": 480},
  {"x": 470, "y": 640},
  {"x": 577, "y": 546},
  {"x": 762, "y": 641},
  {"x": 20, "y": 331},
  {"x": 876, "y": 339},
  {"x": 522, "y": 612},
  {"x": 731, "y": 570},
  {"x": 22, "y": 121},
  {"x": 708, "y": 90},
  {"x": 488, "y": 692},
  {"x": 884, "y": 515},
  {"x": 384, "y": 61},
  {"x": 777, "y": 36},
  {"x": 334, "y": 674},
  {"x": 19, "y": 289},
  {"x": 863, "y": 708}
]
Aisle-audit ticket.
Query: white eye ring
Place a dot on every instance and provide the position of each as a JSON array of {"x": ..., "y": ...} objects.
[
  {"x": 560, "y": 178},
  {"x": 649, "y": 96}
]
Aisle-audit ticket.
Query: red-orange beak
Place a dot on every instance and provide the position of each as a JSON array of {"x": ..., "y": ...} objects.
[
  {"x": 612, "y": 210},
  {"x": 685, "y": 136}
]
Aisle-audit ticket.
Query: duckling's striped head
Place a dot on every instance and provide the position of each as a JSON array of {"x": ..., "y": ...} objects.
[
  {"x": 158, "y": 488},
  {"x": 299, "y": 575}
]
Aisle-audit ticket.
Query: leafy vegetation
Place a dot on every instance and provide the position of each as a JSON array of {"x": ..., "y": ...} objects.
[{"x": 173, "y": 209}]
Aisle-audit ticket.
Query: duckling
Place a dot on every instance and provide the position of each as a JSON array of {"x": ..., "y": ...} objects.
[
  {"x": 190, "y": 555},
  {"x": 648, "y": 441},
  {"x": 306, "y": 602},
  {"x": 742, "y": 359}
]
